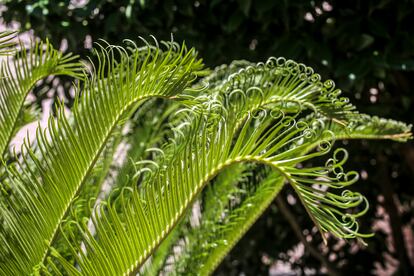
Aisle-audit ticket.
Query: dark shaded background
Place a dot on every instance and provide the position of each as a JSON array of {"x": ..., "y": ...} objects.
[{"x": 366, "y": 47}]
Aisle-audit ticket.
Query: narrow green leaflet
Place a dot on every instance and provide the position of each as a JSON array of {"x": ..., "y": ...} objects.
[{"x": 6, "y": 42}]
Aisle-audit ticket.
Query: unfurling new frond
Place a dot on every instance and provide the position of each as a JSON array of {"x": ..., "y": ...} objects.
[
  {"x": 329, "y": 210},
  {"x": 140, "y": 219}
]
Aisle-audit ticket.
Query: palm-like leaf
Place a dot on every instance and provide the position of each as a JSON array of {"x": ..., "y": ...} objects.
[
  {"x": 151, "y": 211},
  {"x": 370, "y": 127},
  {"x": 197, "y": 254},
  {"x": 281, "y": 83},
  {"x": 20, "y": 73},
  {"x": 44, "y": 194}
]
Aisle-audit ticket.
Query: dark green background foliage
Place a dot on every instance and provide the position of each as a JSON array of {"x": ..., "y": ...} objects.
[{"x": 366, "y": 47}]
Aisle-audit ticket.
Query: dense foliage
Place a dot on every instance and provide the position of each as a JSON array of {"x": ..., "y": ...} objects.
[
  {"x": 261, "y": 122},
  {"x": 365, "y": 46}
]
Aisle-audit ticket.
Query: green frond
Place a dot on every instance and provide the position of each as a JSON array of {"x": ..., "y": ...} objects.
[
  {"x": 6, "y": 42},
  {"x": 151, "y": 210},
  {"x": 18, "y": 75},
  {"x": 44, "y": 195},
  {"x": 363, "y": 126},
  {"x": 279, "y": 83},
  {"x": 249, "y": 99},
  {"x": 316, "y": 186}
]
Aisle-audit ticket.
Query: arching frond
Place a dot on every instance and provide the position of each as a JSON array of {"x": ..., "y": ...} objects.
[
  {"x": 364, "y": 126},
  {"x": 280, "y": 83},
  {"x": 205, "y": 251},
  {"x": 43, "y": 196},
  {"x": 150, "y": 211},
  {"x": 352, "y": 126},
  {"x": 206, "y": 245},
  {"x": 264, "y": 136},
  {"x": 18, "y": 75}
]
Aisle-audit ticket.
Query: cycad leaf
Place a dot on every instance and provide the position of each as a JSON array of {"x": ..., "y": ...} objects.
[
  {"x": 152, "y": 210},
  {"x": 362, "y": 126},
  {"x": 42, "y": 197},
  {"x": 246, "y": 132},
  {"x": 280, "y": 83},
  {"x": 210, "y": 242},
  {"x": 352, "y": 125},
  {"x": 20, "y": 73}
]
